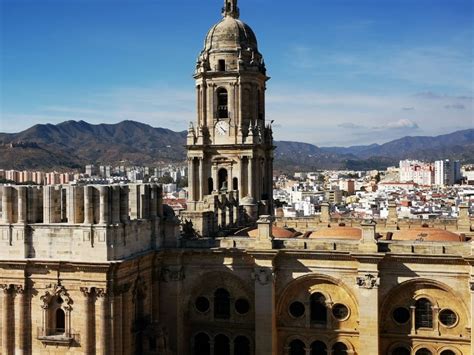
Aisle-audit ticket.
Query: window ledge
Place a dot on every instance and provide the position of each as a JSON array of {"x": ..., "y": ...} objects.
[{"x": 59, "y": 339}]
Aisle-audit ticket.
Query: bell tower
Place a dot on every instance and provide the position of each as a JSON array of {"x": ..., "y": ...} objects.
[{"x": 230, "y": 147}]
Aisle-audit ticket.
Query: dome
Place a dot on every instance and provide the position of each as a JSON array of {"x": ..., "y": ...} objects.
[
  {"x": 427, "y": 235},
  {"x": 277, "y": 232},
  {"x": 339, "y": 232},
  {"x": 230, "y": 34}
]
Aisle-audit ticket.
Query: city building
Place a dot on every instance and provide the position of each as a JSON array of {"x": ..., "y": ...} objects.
[{"x": 447, "y": 172}]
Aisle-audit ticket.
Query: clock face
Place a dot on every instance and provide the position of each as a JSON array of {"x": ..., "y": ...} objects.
[{"x": 222, "y": 128}]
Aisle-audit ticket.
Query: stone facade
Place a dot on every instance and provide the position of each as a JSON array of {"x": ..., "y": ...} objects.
[{"x": 107, "y": 270}]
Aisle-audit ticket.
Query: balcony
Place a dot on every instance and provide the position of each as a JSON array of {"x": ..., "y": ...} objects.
[{"x": 56, "y": 336}]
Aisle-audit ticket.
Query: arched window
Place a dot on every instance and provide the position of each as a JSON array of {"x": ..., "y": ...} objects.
[
  {"x": 339, "y": 349},
  {"x": 423, "y": 314},
  {"x": 221, "y": 304},
  {"x": 297, "y": 347},
  {"x": 222, "y": 103},
  {"x": 222, "y": 179},
  {"x": 318, "y": 348},
  {"x": 448, "y": 352},
  {"x": 60, "y": 321},
  {"x": 318, "y": 308},
  {"x": 202, "y": 345},
  {"x": 401, "y": 351},
  {"x": 241, "y": 346},
  {"x": 235, "y": 184},
  {"x": 221, "y": 345},
  {"x": 210, "y": 185},
  {"x": 423, "y": 351}
]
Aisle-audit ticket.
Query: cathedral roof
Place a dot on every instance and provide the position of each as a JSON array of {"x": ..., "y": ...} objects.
[
  {"x": 277, "y": 232},
  {"x": 427, "y": 234},
  {"x": 337, "y": 232}
]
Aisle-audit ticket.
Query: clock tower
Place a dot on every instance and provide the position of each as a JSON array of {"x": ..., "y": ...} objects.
[{"x": 230, "y": 147}]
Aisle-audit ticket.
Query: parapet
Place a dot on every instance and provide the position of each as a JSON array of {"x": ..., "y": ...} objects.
[{"x": 82, "y": 223}]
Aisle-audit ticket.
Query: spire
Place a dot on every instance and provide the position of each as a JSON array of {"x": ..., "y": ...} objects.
[{"x": 230, "y": 9}]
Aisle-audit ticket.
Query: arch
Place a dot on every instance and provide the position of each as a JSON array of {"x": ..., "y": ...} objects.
[
  {"x": 242, "y": 345},
  {"x": 297, "y": 347},
  {"x": 222, "y": 103},
  {"x": 221, "y": 345},
  {"x": 221, "y": 304},
  {"x": 60, "y": 321},
  {"x": 318, "y": 309},
  {"x": 318, "y": 348},
  {"x": 299, "y": 282},
  {"x": 339, "y": 348},
  {"x": 399, "y": 289},
  {"x": 423, "y": 313},
  {"x": 222, "y": 176},
  {"x": 424, "y": 351},
  {"x": 202, "y": 344}
]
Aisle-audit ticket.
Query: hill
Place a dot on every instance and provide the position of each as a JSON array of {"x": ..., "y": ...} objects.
[{"x": 73, "y": 144}]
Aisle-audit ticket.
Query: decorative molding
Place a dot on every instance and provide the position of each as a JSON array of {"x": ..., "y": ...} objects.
[
  {"x": 53, "y": 290},
  {"x": 86, "y": 291},
  {"x": 263, "y": 275},
  {"x": 5, "y": 288},
  {"x": 175, "y": 273},
  {"x": 121, "y": 289},
  {"x": 18, "y": 289},
  {"x": 368, "y": 281},
  {"x": 101, "y": 292}
]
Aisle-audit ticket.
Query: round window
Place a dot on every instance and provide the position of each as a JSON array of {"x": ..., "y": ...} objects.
[
  {"x": 447, "y": 317},
  {"x": 202, "y": 304},
  {"x": 242, "y": 306},
  {"x": 297, "y": 309},
  {"x": 340, "y": 311},
  {"x": 401, "y": 315}
]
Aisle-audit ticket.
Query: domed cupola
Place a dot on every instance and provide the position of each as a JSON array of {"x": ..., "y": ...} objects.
[{"x": 230, "y": 45}]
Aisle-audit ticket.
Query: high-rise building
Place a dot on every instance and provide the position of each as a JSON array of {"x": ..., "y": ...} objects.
[{"x": 447, "y": 172}]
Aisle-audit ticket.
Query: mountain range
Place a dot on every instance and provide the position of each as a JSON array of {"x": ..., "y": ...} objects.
[{"x": 73, "y": 144}]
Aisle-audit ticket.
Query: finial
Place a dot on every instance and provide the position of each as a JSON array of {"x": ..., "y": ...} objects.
[{"x": 230, "y": 9}]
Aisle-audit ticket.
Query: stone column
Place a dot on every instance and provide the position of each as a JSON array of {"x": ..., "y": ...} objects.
[
  {"x": 191, "y": 179},
  {"x": 472, "y": 309},
  {"x": 124, "y": 204},
  {"x": 102, "y": 323},
  {"x": 20, "y": 315},
  {"x": 7, "y": 205},
  {"x": 250, "y": 177},
  {"x": 87, "y": 338},
  {"x": 6, "y": 341},
  {"x": 104, "y": 205},
  {"x": 88, "y": 205},
  {"x": 117, "y": 323},
  {"x": 115, "y": 190},
  {"x": 22, "y": 204},
  {"x": 201, "y": 179},
  {"x": 368, "y": 297},
  {"x": 126, "y": 321},
  {"x": 265, "y": 318}
]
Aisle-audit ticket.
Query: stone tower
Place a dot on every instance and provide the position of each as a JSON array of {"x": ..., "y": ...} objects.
[{"x": 230, "y": 147}]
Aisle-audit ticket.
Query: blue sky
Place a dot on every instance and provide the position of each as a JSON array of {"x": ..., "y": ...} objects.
[{"x": 343, "y": 72}]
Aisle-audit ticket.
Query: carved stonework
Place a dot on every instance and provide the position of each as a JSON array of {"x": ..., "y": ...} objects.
[
  {"x": 18, "y": 289},
  {"x": 368, "y": 281},
  {"x": 53, "y": 290},
  {"x": 5, "y": 288},
  {"x": 121, "y": 289},
  {"x": 263, "y": 275},
  {"x": 172, "y": 274},
  {"x": 86, "y": 291},
  {"x": 100, "y": 292},
  {"x": 472, "y": 286}
]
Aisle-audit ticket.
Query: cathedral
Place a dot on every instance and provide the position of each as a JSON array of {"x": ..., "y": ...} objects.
[{"x": 110, "y": 269}]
